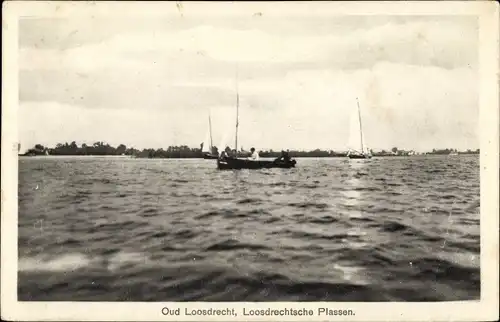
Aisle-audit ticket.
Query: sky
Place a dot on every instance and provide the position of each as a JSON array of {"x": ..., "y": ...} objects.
[{"x": 152, "y": 81}]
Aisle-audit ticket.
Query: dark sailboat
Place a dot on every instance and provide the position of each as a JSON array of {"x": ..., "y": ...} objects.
[
  {"x": 235, "y": 163},
  {"x": 239, "y": 164}
]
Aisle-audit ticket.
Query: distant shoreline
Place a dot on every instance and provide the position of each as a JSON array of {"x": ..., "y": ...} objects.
[
  {"x": 198, "y": 158},
  {"x": 185, "y": 152}
]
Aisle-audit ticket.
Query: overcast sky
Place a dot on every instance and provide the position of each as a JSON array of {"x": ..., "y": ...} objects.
[{"x": 151, "y": 81}]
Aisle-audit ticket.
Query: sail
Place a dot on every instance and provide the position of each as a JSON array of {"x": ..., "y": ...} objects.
[
  {"x": 210, "y": 130},
  {"x": 354, "y": 141},
  {"x": 357, "y": 140},
  {"x": 237, "y": 115},
  {"x": 223, "y": 142}
]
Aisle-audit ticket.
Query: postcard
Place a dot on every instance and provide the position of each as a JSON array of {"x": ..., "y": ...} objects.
[{"x": 250, "y": 161}]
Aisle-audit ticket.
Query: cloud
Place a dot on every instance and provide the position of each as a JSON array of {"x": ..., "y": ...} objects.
[
  {"x": 445, "y": 44},
  {"x": 139, "y": 62},
  {"x": 52, "y": 122},
  {"x": 113, "y": 90},
  {"x": 306, "y": 110},
  {"x": 416, "y": 79}
]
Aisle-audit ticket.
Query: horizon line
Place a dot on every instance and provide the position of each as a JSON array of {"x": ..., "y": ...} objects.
[{"x": 345, "y": 149}]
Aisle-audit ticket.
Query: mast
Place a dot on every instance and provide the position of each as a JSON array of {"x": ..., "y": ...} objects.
[
  {"x": 237, "y": 115},
  {"x": 210, "y": 127},
  {"x": 360, "y": 126}
]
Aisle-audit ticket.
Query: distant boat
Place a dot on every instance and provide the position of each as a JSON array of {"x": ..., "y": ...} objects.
[
  {"x": 235, "y": 163},
  {"x": 210, "y": 156},
  {"x": 212, "y": 153},
  {"x": 359, "y": 154},
  {"x": 453, "y": 153}
]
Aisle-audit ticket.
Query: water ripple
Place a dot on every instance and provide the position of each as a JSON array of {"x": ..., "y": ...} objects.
[{"x": 392, "y": 229}]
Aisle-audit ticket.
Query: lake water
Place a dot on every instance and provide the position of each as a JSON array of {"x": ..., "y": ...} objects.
[{"x": 114, "y": 229}]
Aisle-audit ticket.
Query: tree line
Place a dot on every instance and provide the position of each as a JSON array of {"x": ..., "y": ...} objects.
[
  {"x": 101, "y": 148},
  {"x": 448, "y": 151}
]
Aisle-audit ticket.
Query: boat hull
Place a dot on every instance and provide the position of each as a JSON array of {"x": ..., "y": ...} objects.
[
  {"x": 359, "y": 156},
  {"x": 238, "y": 164},
  {"x": 210, "y": 156}
]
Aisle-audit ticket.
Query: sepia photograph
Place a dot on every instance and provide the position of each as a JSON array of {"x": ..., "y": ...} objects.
[{"x": 192, "y": 152}]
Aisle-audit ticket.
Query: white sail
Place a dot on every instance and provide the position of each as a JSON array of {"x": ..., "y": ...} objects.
[
  {"x": 354, "y": 141},
  {"x": 237, "y": 113},
  {"x": 206, "y": 142},
  {"x": 357, "y": 139},
  {"x": 223, "y": 142}
]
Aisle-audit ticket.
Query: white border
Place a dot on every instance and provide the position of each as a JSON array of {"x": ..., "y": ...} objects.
[{"x": 484, "y": 310}]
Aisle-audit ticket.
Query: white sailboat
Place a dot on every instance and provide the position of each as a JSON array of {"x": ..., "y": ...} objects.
[{"x": 358, "y": 149}]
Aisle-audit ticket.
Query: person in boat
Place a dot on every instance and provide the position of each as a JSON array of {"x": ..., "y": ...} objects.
[
  {"x": 226, "y": 153},
  {"x": 284, "y": 157},
  {"x": 254, "y": 155}
]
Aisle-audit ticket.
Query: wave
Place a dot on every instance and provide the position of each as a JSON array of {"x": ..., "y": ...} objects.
[
  {"x": 307, "y": 205},
  {"x": 249, "y": 201},
  {"x": 322, "y": 220},
  {"x": 156, "y": 231},
  {"x": 231, "y": 244}
]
